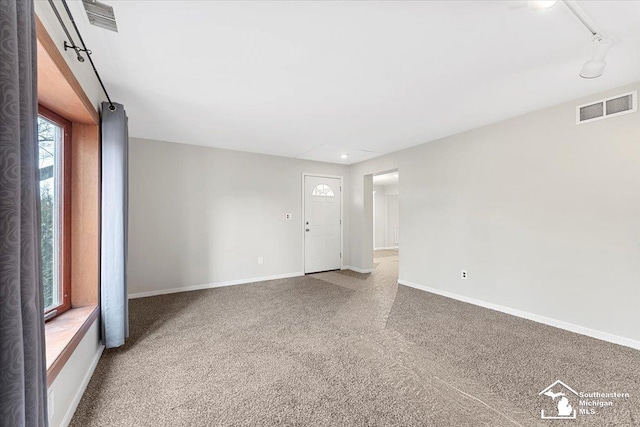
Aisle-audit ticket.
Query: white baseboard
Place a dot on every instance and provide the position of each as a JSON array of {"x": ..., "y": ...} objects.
[
  {"x": 83, "y": 386},
  {"x": 387, "y": 248},
  {"x": 593, "y": 333},
  {"x": 213, "y": 285},
  {"x": 358, "y": 270}
]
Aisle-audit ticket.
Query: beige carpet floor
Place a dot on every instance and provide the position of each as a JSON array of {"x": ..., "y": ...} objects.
[{"x": 346, "y": 349}]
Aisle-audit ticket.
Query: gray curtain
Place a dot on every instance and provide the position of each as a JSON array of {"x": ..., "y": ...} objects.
[
  {"x": 114, "y": 303},
  {"x": 23, "y": 377}
]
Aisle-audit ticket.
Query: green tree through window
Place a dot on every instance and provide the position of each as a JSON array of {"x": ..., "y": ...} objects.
[{"x": 49, "y": 135}]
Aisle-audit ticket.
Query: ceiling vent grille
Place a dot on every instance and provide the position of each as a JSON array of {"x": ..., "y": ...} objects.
[
  {"x": 100, "y": 14},
  {"x": 609, "y": 107}
]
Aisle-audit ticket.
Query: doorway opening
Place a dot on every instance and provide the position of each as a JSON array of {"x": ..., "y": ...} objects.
[{"x": 386, "y": 216}]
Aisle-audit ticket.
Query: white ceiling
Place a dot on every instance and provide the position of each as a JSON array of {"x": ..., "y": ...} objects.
[{"x": 317, "y": 79}]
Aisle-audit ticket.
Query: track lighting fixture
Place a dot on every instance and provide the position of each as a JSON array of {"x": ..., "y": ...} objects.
[{"x": 595, "y": 66}]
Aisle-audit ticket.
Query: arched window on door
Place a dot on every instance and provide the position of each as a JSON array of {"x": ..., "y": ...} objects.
[{"x": 322, "y": 190}]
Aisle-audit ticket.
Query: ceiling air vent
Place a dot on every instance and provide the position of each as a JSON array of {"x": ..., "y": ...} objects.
[
  {"x": 605, "y": 108},
  {"x": 100, "y": 14}
]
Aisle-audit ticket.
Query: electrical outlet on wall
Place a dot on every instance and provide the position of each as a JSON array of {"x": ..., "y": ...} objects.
[
  {"x": 287, "y": 216},
  {"x": 260, "y": 260},
  {"x": 463, "y": 275}
]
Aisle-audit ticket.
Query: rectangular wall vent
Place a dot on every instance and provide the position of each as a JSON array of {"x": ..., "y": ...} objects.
[
  {"x": 620, "y": 104},
  {"x": 605, "y": 108},
  {"x": 590, "y": 112},
  {"x": 100, "y": 14}
]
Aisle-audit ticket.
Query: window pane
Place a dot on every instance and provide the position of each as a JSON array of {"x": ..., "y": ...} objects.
[
  {"x": 322, "y": 190},
  {"x": 49, "y": 142}
]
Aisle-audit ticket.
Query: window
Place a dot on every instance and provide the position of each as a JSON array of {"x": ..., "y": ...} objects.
[
  {"x": 322, "y": 190},
  {"x": 78, "y": 248},
  {"x": 53, "y": 163}
]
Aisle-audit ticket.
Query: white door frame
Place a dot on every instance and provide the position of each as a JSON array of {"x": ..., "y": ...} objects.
[{"x": 321, "y": 175}]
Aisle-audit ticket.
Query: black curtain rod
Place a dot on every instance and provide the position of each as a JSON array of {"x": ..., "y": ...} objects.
[
  {"x": 77, "y": 49},
  {"x": 64, "y": 27}
]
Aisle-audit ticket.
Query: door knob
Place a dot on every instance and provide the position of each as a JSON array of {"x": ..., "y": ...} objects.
[{"x": 307, "y": 229}]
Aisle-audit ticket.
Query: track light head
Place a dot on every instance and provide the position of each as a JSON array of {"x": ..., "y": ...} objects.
[
  {"x": 595, "y": 67},
  {"x": 592, "y": 69}
]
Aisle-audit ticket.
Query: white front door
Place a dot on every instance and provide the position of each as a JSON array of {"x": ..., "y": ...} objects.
[{"x": 322, "y": 224}]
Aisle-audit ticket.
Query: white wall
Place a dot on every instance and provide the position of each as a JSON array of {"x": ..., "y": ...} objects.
[
  {"x": 543, "y": 214},
  {"x": 379, "y": 216},
  {"x": 392, "y": 189},
  {"x": 386, "y": 217},
  {"x": 200, "y": 216},
  {"x": 71, "y": 382},
  {"x": 392, "y": 220}
]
